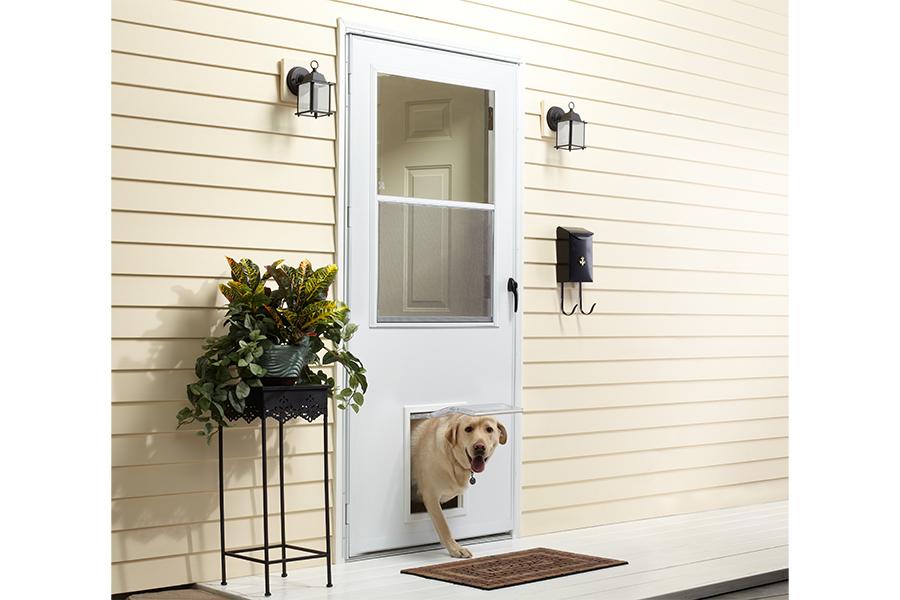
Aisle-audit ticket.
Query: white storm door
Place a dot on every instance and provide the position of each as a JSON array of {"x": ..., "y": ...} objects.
[{"x": 432, "y": 241}]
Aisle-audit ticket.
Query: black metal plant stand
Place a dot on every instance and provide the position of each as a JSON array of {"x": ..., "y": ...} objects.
[{"x": 281, "y": 403}]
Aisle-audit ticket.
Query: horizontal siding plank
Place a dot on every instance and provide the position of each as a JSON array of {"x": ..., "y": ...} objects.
[
  {"x": 542, "y": 276},
  {"x": 542, "y": 152},
  {"x": 539, "y": 325},
  {"x": 245, "y": 26},
  {"x": 633, "y": 440},
  {"x": 546, "y": 301},
  {"x": 621, "y": 349},
  {"x": 772, "y": 118},
  {"x": 142, "y": 71},
  {"x": 142, "y": 134},
  {"x": 187, "y": 107},
  {"x": 155, "y": 354},
  {"x": 645, "y": 188},
  {"x": 141, "y": 544},
  {"x": 572, "y": 23},
  {"x": 608, "y": 135},
  {"x": 157, "y": 416},
  {"x": 539, "y": 226},
  {"x": 618, "y": 465},
  {"x": 738, "y": 12},
  {"x": 652, "y": 393},
  {"x": 134, "y": 322},
  {"x": 661, "y": 123},
  {"x": 634, "y": 486},
  {"x": 214, "y": 231},
  {"x": 701, "y": 22},
  {"x": 194, "y": 477},
  {"x": 242, "y": 442},
  {"x": 201, "y": 566},
  {"x": 150, "y": 386},
  {"x": 195, "y": 47},
  {"x": 543, "y": 251},
  {"x": 197, "y": 261},
  {"x": 138, "y": 513},
  {"x": 560, "y": 519},
  {"x": 596, "y": 50},
  {"x": 562, "y": 423},
  {"x": 622, "y": 371},
  {"x": 602, "y": 15},
  {"x": 148, "y": 196},
  {"x": 221, "y": 172}
]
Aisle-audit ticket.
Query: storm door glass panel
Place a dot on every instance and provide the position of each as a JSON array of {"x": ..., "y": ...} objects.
[
  {"x": 433, "y": 140},
  {"x": 434, "y": 264}
]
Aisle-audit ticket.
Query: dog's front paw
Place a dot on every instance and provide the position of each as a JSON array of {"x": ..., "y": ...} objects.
[{"x": 458, "y": 551}]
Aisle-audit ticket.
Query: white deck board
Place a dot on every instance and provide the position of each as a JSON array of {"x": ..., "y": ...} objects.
[{"x": 668, "y": 558}]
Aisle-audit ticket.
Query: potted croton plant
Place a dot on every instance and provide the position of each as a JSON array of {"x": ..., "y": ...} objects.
[{"x": 275, "y": 336}]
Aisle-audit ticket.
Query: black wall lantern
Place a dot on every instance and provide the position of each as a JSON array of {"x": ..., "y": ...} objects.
[
  {"x": 568, "y": 126},
  {"x": 313, "y": 91},
  {"x": 574, "y": 262}
]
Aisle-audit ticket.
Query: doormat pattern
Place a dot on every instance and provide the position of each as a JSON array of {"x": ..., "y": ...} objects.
[{"x": 514, "y": 568}]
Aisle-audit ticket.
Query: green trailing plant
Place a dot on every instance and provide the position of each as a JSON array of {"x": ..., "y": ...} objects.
[{"x": 297, "y": 312}]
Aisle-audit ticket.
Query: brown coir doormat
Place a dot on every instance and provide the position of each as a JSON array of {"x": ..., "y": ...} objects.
[{"x": 514, "y": 568}]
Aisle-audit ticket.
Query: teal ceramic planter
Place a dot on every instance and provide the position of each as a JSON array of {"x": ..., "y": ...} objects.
[{"x": 283, "y": 363}]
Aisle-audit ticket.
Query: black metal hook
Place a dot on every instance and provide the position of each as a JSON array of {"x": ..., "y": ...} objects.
[
  {"x": 579, "y": 306},
  {"x": 562, "y": 288},
  {"x": 581, "y": 302}
]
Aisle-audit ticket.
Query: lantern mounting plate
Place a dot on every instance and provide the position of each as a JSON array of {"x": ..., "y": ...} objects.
[
  {"x": 553, "y": 116},
  {"x": 294, "y": 76}
]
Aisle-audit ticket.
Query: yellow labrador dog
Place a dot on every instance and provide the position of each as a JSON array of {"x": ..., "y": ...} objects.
[{"x": 445, "y": 452}]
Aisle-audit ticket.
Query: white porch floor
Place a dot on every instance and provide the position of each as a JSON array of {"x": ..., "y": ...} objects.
[{"x": 680, "y": 557}]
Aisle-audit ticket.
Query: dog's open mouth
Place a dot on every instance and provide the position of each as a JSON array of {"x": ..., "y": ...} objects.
[{"x": 477, "y": 462}]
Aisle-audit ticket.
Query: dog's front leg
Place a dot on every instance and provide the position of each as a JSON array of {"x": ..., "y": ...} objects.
[{"x": 442, "y": 528}]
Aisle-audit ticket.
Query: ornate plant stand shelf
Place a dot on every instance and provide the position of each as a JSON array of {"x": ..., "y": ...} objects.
[{"x": 281, "y": 403}]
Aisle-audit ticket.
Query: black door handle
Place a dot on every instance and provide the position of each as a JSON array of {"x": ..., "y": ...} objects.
[{"x": 513, "y": 286}]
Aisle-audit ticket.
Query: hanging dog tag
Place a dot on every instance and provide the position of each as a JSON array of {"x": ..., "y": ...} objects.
[{"x": 472, "y": 479}]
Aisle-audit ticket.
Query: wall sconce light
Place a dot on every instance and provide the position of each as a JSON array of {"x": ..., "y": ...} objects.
[
  {"x": 313, "y": 91},
  {"x": 568, "y": 126}
]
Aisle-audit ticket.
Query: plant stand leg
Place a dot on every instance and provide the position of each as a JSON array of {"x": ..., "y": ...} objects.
[
  {"x": 265, "y": 500},
  {"x": 281, "y": 490},
  {"x": 222, "y": 507},
  {"x": 326, "y": 484}
]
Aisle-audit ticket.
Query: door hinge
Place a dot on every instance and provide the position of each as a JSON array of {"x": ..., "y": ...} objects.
[
  {"x": 346, "y": 513},
  {"x": 490, "y": 118}
]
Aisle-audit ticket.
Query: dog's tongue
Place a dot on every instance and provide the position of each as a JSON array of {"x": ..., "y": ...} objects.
[{"x": 478, "y": 464}]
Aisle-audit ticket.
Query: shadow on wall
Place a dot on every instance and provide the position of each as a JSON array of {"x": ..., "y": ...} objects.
[{"x": 165, "y": 482}]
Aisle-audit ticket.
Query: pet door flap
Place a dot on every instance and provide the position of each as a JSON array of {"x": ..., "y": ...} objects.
[{"x": 472, "y": 410}]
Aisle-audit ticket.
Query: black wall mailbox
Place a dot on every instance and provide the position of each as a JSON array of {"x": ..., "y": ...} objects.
[{"x": 574, "y": 262}]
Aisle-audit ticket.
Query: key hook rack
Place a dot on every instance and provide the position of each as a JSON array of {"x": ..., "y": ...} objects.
[{"x": 574, "y": 264}]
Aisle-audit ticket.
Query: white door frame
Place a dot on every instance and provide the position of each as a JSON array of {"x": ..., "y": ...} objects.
[{"x": 340, "y": 464}]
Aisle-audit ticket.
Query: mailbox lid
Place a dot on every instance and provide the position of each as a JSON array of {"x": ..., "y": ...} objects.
[{"x": 580, "y": 233}]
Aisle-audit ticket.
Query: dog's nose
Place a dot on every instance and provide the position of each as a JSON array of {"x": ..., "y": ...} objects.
[{"x": 479, "y": 448}]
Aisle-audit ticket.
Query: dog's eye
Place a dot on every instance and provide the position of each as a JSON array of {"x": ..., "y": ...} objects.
[
  {"x": 490, "y": 430},
  {"x": 469, "y": 429}
]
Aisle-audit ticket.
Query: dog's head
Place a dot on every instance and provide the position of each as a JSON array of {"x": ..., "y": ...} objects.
[{"x": 473, "y": 439}]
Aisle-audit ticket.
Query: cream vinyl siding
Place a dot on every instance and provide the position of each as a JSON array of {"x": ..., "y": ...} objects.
[{"x": 671, "y": 397}]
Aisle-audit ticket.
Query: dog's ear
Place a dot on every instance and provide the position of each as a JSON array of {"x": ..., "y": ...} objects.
[
  {"x": 502, "y": 433},
  {"x": 451, "y": 431}
]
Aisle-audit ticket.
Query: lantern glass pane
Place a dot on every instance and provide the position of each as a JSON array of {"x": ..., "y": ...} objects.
[
  {"x": 562, "y": 133},
  {"x": 303, "y": 98},
  {"x": 321, "y": 97},
  {"x": 433, "y": 140},
  {"x": 577, "y": 134}
]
